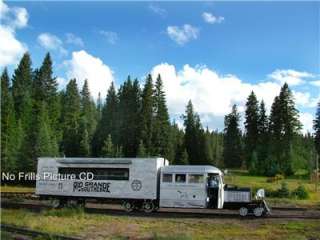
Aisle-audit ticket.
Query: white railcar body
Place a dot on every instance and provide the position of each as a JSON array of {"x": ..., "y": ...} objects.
[
  {"x": 187, "y": 186},
  {"x": 118, "y": 178}
]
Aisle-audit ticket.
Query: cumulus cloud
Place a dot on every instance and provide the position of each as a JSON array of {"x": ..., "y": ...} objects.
[
  {"x": 11, "y": 19},
  {"x": 83, "y": 66},
  {"x": 158, "y": 10},
  {"x": 112, "y": 37},
  {"x": 73, "y": 39},
  {"x": 307, "y": 121},
  {"x": 184, "y": 34},
  {"x": 292, "y": 77},
  {"x": 213, "y": 94},
  {"x": 51, "y": 42},
  {"x": 305, "y": 99},
  {"x": 210, "y": 18},
  {"x": 315, "y": 83}
]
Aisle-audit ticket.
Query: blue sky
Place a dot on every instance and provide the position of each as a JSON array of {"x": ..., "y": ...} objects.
[{"x": 204, "y": 50}]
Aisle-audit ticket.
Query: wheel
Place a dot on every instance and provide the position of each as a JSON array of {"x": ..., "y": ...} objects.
[
  {"x": 55, "y": 203},
  {"x": 148, "y": 207},
  {"x": 243, "y": 211},
  {"x": 128, "y": 206},
  {"x": 71, "y": 203},
  {"x": 258, "y": 211},
  {"x": 81, "y": 203}
]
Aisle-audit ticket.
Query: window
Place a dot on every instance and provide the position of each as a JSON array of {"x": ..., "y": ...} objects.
[
  {"x": 167, "y": 178},
  {"x": 99, "y": 173},
  {"x": 180, "y": 178},
  {"x": 195, "y": 178}
]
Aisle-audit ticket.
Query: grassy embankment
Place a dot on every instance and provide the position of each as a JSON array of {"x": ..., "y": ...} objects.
[
  {"x": 74, "y": 222},
  {"x": 242, "y": 179}
]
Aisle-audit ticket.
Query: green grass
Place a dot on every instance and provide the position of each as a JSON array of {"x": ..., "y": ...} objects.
[
  {"x": 240, "y": 178},
  {"x": 6, "y": 188},
  {"x": 92, "y": 226}
]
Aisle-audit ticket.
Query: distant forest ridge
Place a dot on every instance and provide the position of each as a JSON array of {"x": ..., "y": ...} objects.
[{"x": 38, "y": 120}]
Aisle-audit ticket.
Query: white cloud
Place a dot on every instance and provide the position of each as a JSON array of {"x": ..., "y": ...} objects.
[
  {"x": 158, "y": 10},
  {"x": 307, "y": 121},
  {"x": 51, "y": 42},
  {"x": 315, "y": 83},
  {"x": 210, "y": 92},
  {"x": 112, "y": 37},
  {"x": 21, "y": 17},
  {"x": 210, "y": 18},
  {"x": 73, "y": 39},
  {"x": 11, "y": 19},
  {"x": 292, "y": 77},
  {"x": 85, "y": 66},
  {"x": 184, "y": 34}
]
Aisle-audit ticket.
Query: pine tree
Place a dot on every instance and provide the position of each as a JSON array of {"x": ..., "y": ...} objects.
[
  {"x": 84, "y": 145},
  {"x": 88, "y": 108},
  {"x": 108, "y": 124},
  {"x": 284, "y": 127},
  {"x": 251, "y": 126},
  {"x": 129, "y": 117},
  {"x": 316, "y": 127},
  {"x": 232, "y": 148},
  {"x": 263, "y": 139},
  {"x": 161, "y": 123},
  {"x": 71, "y": 120},
  {"x": 141, "y": 150},
  {"x": 50, "y": 95},
  {"x": 21, "y": 87},
  {"x": 194, "y": 138},
  {"x": 184, "y": 159},
  {"x": 147, "y": 115},
  {"x": 8, "y": 125},
  {"x": 108, "y": 148}
]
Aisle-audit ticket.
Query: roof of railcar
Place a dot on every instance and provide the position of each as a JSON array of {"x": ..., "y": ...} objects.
[
  {"x": 79, "y": 160},
  {"x": 191, "y": 169}
]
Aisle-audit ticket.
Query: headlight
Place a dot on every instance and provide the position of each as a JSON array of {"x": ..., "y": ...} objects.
[{"x": 260, "y": 194}]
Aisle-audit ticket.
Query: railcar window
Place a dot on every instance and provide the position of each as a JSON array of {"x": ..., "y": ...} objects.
[
  {"x": 195, "y": 178},
  {"x": 167, "y": 178},
  {"x": 180, "y": 178},
  {"x": 99, "y": 173}
]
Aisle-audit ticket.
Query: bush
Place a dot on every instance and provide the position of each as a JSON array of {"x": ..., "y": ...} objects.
[
  {"x": 283, "y": 192},
  {"x": 300, "y": 192}
]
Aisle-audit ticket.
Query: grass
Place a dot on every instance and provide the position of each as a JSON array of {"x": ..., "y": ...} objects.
[
  {"x": 74, "y": 222},
  {"x": 6, "y": 188},
  {"x": 242, "y": 179}
]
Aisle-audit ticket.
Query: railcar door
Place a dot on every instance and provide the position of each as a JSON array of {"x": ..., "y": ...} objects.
[{"x": 215, "y": 191}]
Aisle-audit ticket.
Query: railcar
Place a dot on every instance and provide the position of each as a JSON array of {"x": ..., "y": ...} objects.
[{"x": 141, "y": 183}]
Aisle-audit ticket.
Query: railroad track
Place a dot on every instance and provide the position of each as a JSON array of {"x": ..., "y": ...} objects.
[
  {"x": 34, "y": 234},
  {"x": 171, "y": 213},
  {"x": 32, "y": 196}
]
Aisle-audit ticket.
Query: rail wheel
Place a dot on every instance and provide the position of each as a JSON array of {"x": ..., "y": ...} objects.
[
  {"x": 128, "y": 206},
  {"x": 243, "y": 211},
  {"x": 258, "y": 211},
  {"x": 55, "y": 203},
  {"x": 148, "y": 206}
]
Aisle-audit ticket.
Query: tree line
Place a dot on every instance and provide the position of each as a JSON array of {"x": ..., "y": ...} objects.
[{"x": 133, "y": 121}]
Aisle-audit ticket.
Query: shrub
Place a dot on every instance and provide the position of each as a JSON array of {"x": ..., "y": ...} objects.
[
  {"x": 300, "y": 192},
  {"x": 283, "y": 192}
]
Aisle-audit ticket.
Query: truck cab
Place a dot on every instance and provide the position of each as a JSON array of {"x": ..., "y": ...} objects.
[{"x": 191, "y": 186}]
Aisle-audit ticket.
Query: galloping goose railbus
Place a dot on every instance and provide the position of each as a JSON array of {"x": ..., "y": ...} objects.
[{"x": 142, "y": 184}]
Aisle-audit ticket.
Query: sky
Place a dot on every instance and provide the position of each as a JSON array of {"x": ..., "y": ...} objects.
[{"x": 214, "y": 53}]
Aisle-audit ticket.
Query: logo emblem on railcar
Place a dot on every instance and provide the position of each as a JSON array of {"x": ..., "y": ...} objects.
[{"x": 136, "y": 185}]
